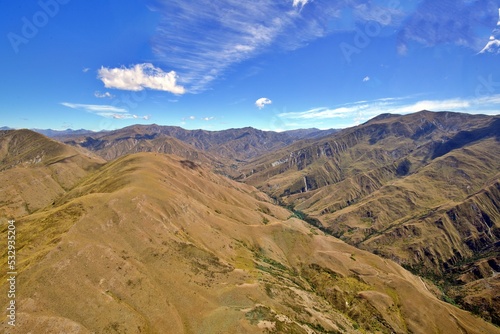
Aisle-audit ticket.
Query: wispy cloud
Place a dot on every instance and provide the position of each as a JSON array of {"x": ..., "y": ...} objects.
[
  {"x": 139, "y": 77},
  {"x": 94, "y": 107},
  {"x": 200, "y": 40},
  {"x": 300, "y": 3},
  {"x": 261, "y": 103},
  {"x": 463, "y": 23},
  {"x": 366, "y": 79},
  {"x": 100, "y": 95},
  {"x": 360, "y": 111},
  {"x": 493, "y": 45},
  {"x": 106, "y": 111}
]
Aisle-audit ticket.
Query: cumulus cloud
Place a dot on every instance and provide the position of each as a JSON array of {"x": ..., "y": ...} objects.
[
  {"x": 366, "y": 79},
  {"x": 139, "y": 77},
  {"x": 261, "y": 103},
  {"x": 106, "y": 111}
]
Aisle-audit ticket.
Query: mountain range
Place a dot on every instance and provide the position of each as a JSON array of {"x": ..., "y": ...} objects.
[
  {"x": 391, "y": 226},
  {"x": 421, "y": 189}
]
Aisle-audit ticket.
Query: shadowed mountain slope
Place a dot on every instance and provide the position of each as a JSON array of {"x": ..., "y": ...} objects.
[
  {"x": 134, "y": 139},
  {"x": 421, "y": 189},
  {"x": 233, "y": 144},
  {"x": 152, "y": 243}
]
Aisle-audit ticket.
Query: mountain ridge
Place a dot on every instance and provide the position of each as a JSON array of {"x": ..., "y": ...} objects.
[
  {"x": 37, "y": 170},
  {"x": 422, "y": 190},
  {"x": 216, "y": 256},
  {"x": 237, "y": 144},
  {"x": 398, "y": 177}
]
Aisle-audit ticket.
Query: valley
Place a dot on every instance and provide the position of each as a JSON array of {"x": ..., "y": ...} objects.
[{"x": 392, "y": 226}]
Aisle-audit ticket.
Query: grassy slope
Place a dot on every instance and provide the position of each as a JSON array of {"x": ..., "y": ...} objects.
[
  {"x": 156, "y": 244},
  {"x": 440, "y": 211},
  {"x": 35, "y": 171}
]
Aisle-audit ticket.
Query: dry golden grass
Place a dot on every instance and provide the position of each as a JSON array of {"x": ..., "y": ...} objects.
[
  {"x": 421, "y": 189},
  {"x": 35, "y": 171},
  {"x": 152, "y": 243}
]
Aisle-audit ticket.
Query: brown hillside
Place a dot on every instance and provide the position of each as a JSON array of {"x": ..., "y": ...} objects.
[
  {"x": 152, "y": 243},
  {"x": 230, "y": 146},
  {"x": 135, "y": 139},
  {"x": 36, "y": 170},
  {"x": 421, "y": 189}
]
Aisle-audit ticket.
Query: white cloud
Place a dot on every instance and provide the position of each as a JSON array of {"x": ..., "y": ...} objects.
[
  {"x": 372, "y": 12},
  {"x": 192, "y": 118},
  {"x": 366, "y": 79},
  {"x": 139, "y": 77},
  {"x": 324, "y": 113},
  {"x": 300, "y": 3},
  {"x": 463, "y": 23},
  {"x": 402, "y": 49},
  {"x": 202, "y": 40},
  {"x": 85, "y": 70},
  {"x": 106, "y": 111},
  {"x": 261, "y": 103},
  {"x": 208, "y": 118},
  {"x": 363, "y": 110},
  {"x": 103, "y": 95},
  {"x": 94, "y": 107},
  {"x": 493, "y": 45}
]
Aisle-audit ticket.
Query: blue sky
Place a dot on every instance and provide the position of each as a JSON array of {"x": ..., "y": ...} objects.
[{"x": 273, "y": 65}]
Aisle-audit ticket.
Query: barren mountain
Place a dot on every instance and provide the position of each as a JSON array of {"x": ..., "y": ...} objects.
[
  {"x": 231, "y": 144},
  {"x": 35, "y": 170},
  {"x": 154, "y": 243},
  {"x": 133, "y": 139},
  {"x": 63, "y": 133},
  {"x": 421, "y": 189}
]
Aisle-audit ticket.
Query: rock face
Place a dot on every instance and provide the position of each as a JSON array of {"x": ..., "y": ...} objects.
[
  {"x": 154, "y": 243},
  {"x": 420, "y": 189}
]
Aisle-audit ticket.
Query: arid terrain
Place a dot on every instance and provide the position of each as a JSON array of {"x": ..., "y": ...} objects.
[{"x": 392, "y": 226}]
